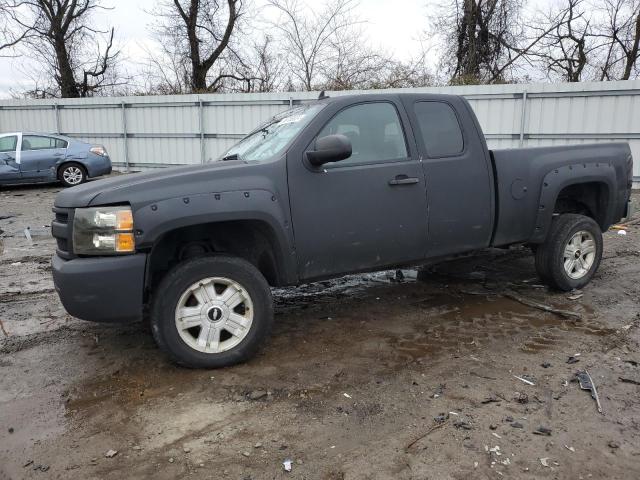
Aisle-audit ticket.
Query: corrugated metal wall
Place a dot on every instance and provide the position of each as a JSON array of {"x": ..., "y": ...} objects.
[{"x": 159, "y": 131}]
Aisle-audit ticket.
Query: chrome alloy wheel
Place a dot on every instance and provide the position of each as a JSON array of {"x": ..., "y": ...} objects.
[
  {"x": 72, "y": 175},
  {"x": 214, "y": 315},
  {"x": 579, "y": 254}
]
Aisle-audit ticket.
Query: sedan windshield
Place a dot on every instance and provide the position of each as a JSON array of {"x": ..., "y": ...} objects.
[{"x": 272, "y": 137}]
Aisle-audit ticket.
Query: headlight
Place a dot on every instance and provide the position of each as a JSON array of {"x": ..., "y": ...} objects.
[{"x": 103, "y": 231}]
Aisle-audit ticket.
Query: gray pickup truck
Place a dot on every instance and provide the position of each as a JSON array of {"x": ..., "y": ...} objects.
[{"x": 337, "y": 186}]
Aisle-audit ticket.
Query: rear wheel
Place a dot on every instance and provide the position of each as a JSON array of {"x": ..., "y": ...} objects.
[
  {"x": 571, "y": 254},
  {"x": 212, "y": 312},
  {"x": 72, "y": 174}
]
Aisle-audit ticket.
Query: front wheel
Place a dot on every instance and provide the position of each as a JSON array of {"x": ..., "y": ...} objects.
[
  {"x": 212, "y": 312},
  {"x": 571, "y": 253}
]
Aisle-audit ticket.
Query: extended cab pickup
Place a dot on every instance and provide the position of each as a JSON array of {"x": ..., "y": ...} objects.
[{"x": 336, "y": 186}]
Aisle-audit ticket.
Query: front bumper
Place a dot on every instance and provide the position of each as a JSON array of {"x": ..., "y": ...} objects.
[{"x": 101, "y": 289}]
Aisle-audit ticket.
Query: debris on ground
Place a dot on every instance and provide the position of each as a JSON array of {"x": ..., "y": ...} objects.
[
  {"x": 441, "y": 418},
  {"x": 257, "y": 394},
  {"x": 622, "y": 232},
  {"x": 459, "y": 424},
  {"x": 415, "y": 441},
  {"x": 111, "y": 453},
  {"x": 629, "y": 380},
  {"x": 573, "y": 359},
  {"x": 544, "y": 461},
  {"x": 490, "y": 399},
  {"x": 613, "y": 444},
  {"x": 586, "y": 383},
  {"x": 27, "y": 234},
  {"x": 517, "y": 425},
  {"x": 346, "y": 395},
  {"x": 287, "y": 465},
  {"x": 545, "y": 365},
  {"x": 576, "y": 296},
  {"x": 543, "y": 307},
  {"x": 542, "y": 431},
  {"x": 571, "y": 449},
  {"x": 439, "y": 391},
  {"x": 524, "y": 380}
]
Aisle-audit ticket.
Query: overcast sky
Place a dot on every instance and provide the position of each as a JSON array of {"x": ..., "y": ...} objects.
[{"x": 396, "y": 26}]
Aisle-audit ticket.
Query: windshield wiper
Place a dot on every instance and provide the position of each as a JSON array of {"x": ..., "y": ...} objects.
[{"x": 232, "y": 156}]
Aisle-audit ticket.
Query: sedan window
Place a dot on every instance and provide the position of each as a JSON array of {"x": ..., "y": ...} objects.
[
  {"x": 8, "y": 144},
  {"x": 35, "y": 142}
]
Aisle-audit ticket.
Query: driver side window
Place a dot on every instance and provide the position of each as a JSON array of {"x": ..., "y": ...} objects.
[
  {"x": 8, "y": 144},
  {"x": 374, "y": 130}
]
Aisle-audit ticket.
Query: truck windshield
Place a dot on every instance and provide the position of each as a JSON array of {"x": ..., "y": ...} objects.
[{"x": 272, "y": 137}]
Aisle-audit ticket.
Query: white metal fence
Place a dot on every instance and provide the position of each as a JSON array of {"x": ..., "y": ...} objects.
[{"x": 159, "y": 131}]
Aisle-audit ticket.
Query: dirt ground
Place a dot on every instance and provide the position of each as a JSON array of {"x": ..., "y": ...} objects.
[{"x": 365, "y": 377}]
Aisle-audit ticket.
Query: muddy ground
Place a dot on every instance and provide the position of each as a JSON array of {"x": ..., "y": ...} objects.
[{"x": 364, "y": 377}]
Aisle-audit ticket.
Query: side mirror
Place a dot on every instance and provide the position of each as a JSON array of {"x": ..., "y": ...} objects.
[{"x": 331, "y": 148}]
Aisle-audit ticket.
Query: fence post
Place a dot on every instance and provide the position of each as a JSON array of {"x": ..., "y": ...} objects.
[
  {"x": 201, "y": 126},
  {"x": 523, "y": 117},
  {"x": 124, "y": 134},
  {"x": 57, "y": 113}
]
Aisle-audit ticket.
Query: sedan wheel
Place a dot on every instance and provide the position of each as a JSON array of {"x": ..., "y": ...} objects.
[{"x": 72, "y": 174}]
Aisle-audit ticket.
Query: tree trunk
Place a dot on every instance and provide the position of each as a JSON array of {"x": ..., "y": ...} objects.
[
  {"x": 66, "y": 80},
  {"x": 632, "y": 56}
]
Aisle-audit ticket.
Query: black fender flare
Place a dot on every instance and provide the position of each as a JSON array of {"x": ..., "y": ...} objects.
[
  {"x": 561, "y": 177},
  {"x": 153, "y": 221}
]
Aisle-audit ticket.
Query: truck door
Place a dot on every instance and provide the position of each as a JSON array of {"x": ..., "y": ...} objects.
[
  {"x": 457, "y": 173},
  {"x": 9, "y": 167},
  {"x": 364, "y": 212},
  {"x": 39, "y": 154}
]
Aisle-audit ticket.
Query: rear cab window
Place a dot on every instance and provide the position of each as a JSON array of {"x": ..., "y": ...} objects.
[
  {"x": 8, "y": 143},
  {"x": 439, "y": 129}
]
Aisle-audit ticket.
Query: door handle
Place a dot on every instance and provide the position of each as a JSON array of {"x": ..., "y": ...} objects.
[
  {"x": 58, "y": 154},
  {"x": 404, "y": 180}
]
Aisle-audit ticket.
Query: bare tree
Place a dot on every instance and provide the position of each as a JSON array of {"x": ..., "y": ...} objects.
[
  {"x": 354, "y": 65},
  {"x": 566, "y": 50},
  {"x": 349, "y": 63},
  {"x": 79, "y": 58},
  {"x": 479, "y": 37},
  {"x": 620, "y": 33},
  {"x": 11, "y": 32},
  {"x": 307, "y": 35},
  {"x": 196, "y": 38},
  {"x": 262, "y": 68}
]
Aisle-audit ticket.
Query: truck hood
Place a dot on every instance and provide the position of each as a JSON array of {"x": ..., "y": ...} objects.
[{"x": 139, "y": 189}]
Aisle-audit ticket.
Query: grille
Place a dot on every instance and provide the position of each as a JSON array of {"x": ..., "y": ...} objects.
[{"x": 61, "y": 229}]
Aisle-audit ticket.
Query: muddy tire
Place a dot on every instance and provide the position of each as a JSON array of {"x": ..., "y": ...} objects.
[
  {"x": 72, "y": 174},
  {"x": 571, "y": 253},
  {"x": 212, "y": 312}
]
